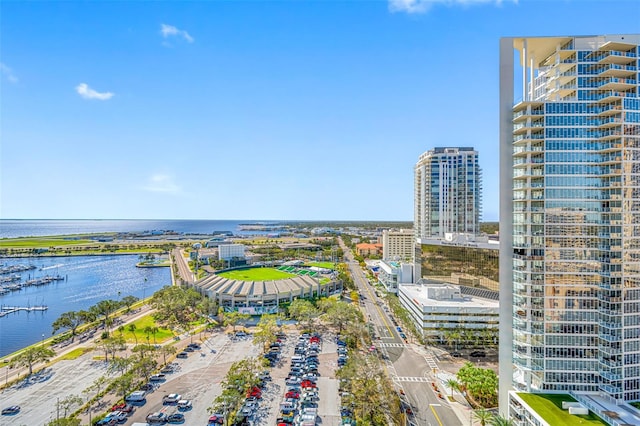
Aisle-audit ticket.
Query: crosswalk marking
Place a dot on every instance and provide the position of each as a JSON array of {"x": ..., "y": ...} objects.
[
  {"x": 411, "y": 379},
  {"x": 431, "y": 362},
  {"x": 392, "y": 345}
]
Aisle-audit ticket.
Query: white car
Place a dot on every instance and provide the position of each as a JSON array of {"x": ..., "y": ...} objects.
[
  {"x": 120, "y": 416},
  {"x": 184, "y": 405},
  {"x": 172, "y": 398}
]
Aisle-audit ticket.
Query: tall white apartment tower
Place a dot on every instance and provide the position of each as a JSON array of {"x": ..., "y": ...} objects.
[
  {"x": 448, "y": 192},
  {"x": 570, "y": 216}
]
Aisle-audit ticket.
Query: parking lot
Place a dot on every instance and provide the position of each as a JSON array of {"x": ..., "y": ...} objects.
[{"x": 196, "y": 378}]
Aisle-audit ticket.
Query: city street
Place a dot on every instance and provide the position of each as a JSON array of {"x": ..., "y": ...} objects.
[{"x": 411, "y": 370}]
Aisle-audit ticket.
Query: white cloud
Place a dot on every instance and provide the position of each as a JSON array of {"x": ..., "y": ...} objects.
[
  {"x": 87, "y": 92},
  {"x": 171, "y": 31},
  {"x": 422, "y": 6},
  {"x": 8, "y": 73},
  {"x": 161, "y": 183}
]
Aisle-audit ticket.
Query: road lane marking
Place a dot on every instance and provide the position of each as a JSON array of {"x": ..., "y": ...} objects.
[{"x": 435, "y": 414}]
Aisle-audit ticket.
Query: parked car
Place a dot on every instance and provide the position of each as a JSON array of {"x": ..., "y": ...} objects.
[
  {"x": 172, "y": 398},
  {"x": 157, "y": 418},
  {"x": 107, "y": 421},
  {"x": 137, "y": 396},
  {"x": 175, "y": 418},
  {"x": 120, "y": 416},
  {"x": 9, "y": 411},
  {"x": 292, "y": 394},
  {"x": 216, "y": 419},
  {"x": 184, "y": 405},
  {"x": 478, "y": 354},
  {"x": 158, "y": 378},
  {"x": 182, "y": 355}
]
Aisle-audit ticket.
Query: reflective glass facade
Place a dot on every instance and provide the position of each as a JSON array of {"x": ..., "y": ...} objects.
[
  {"x": 466, "y": 266},
  {"x": 448, "y": 192},
  {"x": 576, "y": 217}
]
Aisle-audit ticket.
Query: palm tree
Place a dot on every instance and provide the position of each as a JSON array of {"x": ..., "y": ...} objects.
[
  {"x": 498, "y": 420},
  {"x": 148, "y": 330},
  {"x": 453, "y": 385},
  {"x": 483, "y": 416},
  {"x": 132, "y": 329}
]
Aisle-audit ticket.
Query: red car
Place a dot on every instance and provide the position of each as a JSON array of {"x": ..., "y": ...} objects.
[
  {"x": 314, "y": 340},
  {"x": 292, "y": 394},
  {"x": 307, "y": 384},
  {"x": 119, "y": 406},
  {"x": 255, "y": 391}
]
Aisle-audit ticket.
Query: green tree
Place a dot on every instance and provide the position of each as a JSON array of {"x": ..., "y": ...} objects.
[
  {"x": 105, "y": 308},
  {"x": 128, "y": 301},
  {"x": 148, "y": 330},
  {"x": 64, "y": 422},
  {"x": 69, "y": 320},
  {"x": 167, "y": 350},
  {"x": 304, "y": 312},
  {"x": 123, "y": 384},
  {"x": 498, "y": 420},
  {"x": 483, "y": 416},
  {"x": 339, "y": 314},
  {"x": 453, "y": 385},
  {"x": 67, "y": 403},
  {"x": 234, "y": 318},
  {"x": 175, "y": 306},
  {"x": 132, "y": 328},
  {"x": 266, "y": 331},
  {"x": 31, "y": 356}
]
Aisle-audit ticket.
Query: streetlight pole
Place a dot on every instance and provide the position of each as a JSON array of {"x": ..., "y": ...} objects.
[{"x": 42, "y": 340}]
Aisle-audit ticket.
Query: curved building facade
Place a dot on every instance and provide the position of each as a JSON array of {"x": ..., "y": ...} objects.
[{"x": 263, "y": 297}]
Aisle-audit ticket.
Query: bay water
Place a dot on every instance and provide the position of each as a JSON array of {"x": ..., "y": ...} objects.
[{"x": 87, "y": 279}]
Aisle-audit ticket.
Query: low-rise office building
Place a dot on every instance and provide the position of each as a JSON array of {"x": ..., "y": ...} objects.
[
  {"x": 437, "y": 308},
  {"x": 230, "y": 251},
  {"x": 366, "y": 249},
  {"x": 391, "y": 274}
]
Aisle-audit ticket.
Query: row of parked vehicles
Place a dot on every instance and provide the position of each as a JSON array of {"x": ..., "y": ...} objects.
[
  {"x": 300, "y": 404},
  {"x": 346, "y": 413},
  {"x": 139, "y": 397}
]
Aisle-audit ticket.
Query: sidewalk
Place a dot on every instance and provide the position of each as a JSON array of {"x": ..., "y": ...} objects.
[
  {"x": 10, "y": 374},
  {"x": 461, "y": 407}
]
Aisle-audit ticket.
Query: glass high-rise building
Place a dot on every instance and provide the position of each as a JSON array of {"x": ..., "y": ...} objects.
[
  {"x": 570, "y": 216},
  {"x": 448, "y": 192}
]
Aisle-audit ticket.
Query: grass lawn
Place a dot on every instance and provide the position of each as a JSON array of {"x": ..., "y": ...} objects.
[
  {"x": 549, "y": 407},
  {"x": 327, "y": 265},
  {"x": 76, "y": 353},
  {"x": 39, "y": 242},
  {"x": 256, "y": 274},
  {"x": 162, "y": 335}
]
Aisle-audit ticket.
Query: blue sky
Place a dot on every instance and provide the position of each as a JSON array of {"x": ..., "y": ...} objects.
[{"x": 254, "y": 110}]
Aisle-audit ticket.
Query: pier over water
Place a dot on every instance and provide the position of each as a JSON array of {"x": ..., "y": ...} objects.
[{"x": 6, "y": 310}]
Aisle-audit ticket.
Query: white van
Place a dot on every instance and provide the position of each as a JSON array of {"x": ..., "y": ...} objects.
[{"x": 136, "y": 396}]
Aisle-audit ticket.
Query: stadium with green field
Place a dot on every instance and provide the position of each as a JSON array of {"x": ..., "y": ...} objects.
[{"x": 260, "y": 290}]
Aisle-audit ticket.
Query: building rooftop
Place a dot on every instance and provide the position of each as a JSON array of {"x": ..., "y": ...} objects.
[
  {"x": 549, "y": 408},
  {"x": 420, "y": 293}
]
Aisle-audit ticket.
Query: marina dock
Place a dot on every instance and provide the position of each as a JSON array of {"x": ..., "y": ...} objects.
[{"x": 6, "y": 310}]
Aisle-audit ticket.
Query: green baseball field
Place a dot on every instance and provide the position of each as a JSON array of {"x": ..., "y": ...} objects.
[{"x": 256, "y": 274}]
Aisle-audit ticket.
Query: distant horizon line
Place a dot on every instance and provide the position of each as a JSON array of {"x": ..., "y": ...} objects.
[{"x": 234, "y": 220}]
